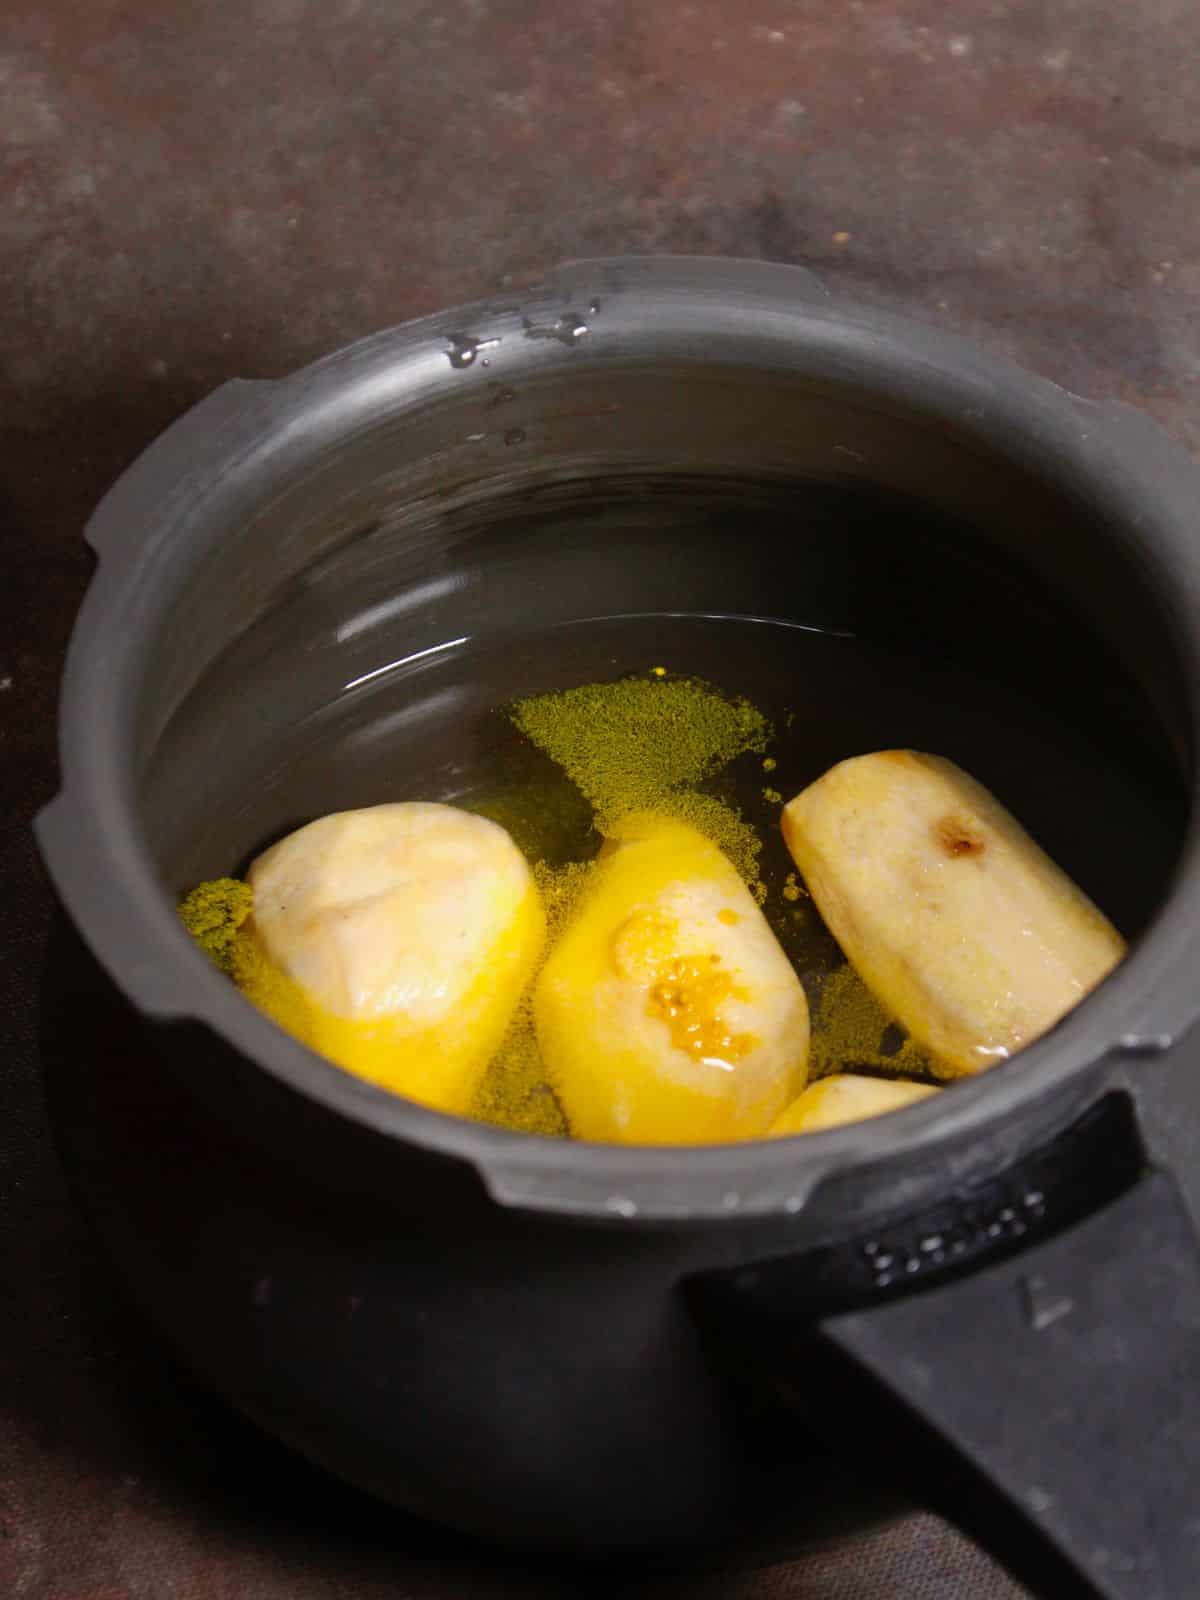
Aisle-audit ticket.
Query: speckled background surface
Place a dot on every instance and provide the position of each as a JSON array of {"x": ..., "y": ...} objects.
[{"x": 190, "y": 192}]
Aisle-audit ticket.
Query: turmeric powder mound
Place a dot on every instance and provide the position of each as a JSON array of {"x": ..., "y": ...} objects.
[
  {"x": 644, "y": 744},
  {"x": 851, "y": 1029},
  {"x": 560, "y": 888},
  {"x": 217, "y": 915},
  {"x": 213, "y": 913},
  {"x": 627, "y": 743},
  {"x": 515, "y": 1092}
]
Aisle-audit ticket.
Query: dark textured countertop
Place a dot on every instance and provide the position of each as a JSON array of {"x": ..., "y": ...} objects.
[{"x": 190, "y": 192}]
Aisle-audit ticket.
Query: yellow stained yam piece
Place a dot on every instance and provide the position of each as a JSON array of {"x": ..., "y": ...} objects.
[
  {"x": 667, "y": 1013},
  {"x": 962, "y": 927},
  {"x": 846, "y": 1097},
  {"x": 397, "y": 941}
]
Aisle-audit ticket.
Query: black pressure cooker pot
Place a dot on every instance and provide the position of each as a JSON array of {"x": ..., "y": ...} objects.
[{"x": 989, "y": 1301}]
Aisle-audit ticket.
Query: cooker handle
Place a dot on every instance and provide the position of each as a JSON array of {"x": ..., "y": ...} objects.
[
  {"x": 1061, "y": 1389},
  {"x": 1048, "y": 1404}
]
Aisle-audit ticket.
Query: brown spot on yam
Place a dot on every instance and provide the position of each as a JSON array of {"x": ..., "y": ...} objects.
[{"x": 958, "y": 838}]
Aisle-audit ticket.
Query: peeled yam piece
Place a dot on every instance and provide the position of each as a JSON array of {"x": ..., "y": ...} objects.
[
  {"x": 397, "y": 941},
  {"x": 846, "y": 1097},
  {"x": 961, "y": 926},
  {"x": 667, "y": 1013}
]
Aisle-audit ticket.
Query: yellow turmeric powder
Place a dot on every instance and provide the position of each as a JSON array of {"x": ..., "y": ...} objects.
[
  {"x": 644, "y": 744},
  {"x": 217, "y": 914},
  {"x": 851, "y": 1029},
  {"x": 213, "y": 913},
  {"x": 515, "y": 1092}
]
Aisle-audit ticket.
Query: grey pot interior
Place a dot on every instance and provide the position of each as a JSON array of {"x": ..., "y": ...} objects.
[{"x": 315, "y": 594}]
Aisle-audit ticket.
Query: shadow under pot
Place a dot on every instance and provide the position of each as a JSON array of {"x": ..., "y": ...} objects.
[{"x": 313, "y": 594}]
